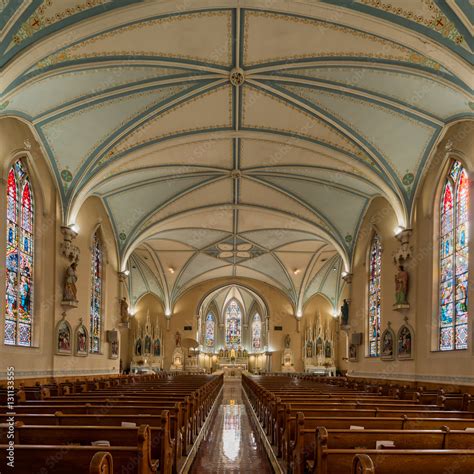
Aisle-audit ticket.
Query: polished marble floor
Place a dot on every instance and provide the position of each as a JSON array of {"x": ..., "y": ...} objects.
[{"x": 232, "y": 446}]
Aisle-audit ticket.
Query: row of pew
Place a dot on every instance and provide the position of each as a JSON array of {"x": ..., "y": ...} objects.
[
  {"x": 136, "y": 424},
  {"x": 325, "y": 426}
]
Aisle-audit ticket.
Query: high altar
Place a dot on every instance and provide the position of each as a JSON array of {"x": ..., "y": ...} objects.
[
  {"x": 147, "y": 349},
  {"x": 318, "y": 349}
]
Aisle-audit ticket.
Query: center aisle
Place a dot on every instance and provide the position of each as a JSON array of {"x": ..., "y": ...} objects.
[{"x": 232, "y": 445}]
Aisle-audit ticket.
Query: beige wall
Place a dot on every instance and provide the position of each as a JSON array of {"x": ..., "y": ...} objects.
[
  {"x": 428, "y": 365},
  {"x": 41, "y": 359}
]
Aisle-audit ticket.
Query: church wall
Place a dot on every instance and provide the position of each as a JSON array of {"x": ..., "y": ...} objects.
[
  {"x": 428, "y": 364},
  {"x": 17, "y": 141},
  {"x": 455, "y": 367},
  {"x": 41, "y": 360},
  {"x": 91, "y": 216}
]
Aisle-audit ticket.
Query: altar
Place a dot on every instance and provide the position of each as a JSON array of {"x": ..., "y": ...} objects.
[
  {"x": 233, "y": 370},
  {"x": 320, "y": 370}
]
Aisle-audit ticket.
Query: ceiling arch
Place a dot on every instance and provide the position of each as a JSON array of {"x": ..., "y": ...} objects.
[{"x": 236, "y": 139}]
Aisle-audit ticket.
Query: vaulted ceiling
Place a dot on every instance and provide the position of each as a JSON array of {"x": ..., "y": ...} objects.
[{"x": 236, "y": 138}]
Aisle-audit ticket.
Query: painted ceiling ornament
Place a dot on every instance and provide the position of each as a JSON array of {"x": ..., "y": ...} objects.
[{"x": 237, "y": 77}]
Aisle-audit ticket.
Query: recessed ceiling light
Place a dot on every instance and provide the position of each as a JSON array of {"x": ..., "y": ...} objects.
[
  {"x": 296, "y": 271},
  {"x": 171, "y": 270}
]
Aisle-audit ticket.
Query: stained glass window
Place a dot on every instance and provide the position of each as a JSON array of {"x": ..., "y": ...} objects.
[
  {"x": 233, "y": 324},
  {"x": 454, "y": 254},
  {"x": 96, "y": 295},
  {"x": 375, "y": 266},
  {"x": 257, "y": 332},
  {"x": 210, "y": 330},
  {"x": 19, "y": 258}
]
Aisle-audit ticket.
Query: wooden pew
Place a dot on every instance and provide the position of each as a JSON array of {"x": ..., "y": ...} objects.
[
  {"x": 398, "y": 461},
  {"x": 308, "y": 453},
  {"x": 154, "y": 444}
]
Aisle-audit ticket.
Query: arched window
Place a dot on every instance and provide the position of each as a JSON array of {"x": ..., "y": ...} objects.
[
  {"x": 210, "y": 330},
  {"x": 454, "y": 256},
  {"x": 97, "y": 269},
  {"x": 233, "y": 324},
  {"x": 257, "y": 332},
  {"x": 20, "y": 258},
  {"x": 375, "y": 266}
]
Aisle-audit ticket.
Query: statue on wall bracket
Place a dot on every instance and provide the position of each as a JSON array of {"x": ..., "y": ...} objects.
[
  {"x": 69, "y": 286},
  {"x": 402, "y": 278},
  {"x": 345, "y": 313}
]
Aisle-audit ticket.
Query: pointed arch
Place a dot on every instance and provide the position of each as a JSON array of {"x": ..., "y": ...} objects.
[
  {"x": 374, "y": 296},
  {"x": 233, "y": 324},
  {"x": 256, "y": 331},
  {"x": 454, "y": 259},
  {"x": 210, "y": 330},
  {"x": 19, "y": 257},
  {"x": 97, "y": 290}
]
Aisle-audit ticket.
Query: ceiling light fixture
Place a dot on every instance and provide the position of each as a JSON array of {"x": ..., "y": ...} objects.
[
  {"x": 398, "y": 229},
  {"x": 126, "y": 273},
  {"x": 74, "y": 228},
  {"x": 171, "y": 270},
  {"x": 296, "y": 271}
]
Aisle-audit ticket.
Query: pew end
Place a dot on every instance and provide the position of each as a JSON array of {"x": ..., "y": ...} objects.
[
  {"x": 362, "y": 464},
  {"x": 101, "y": 463}
]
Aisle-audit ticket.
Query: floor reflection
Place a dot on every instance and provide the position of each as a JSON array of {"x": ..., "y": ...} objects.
[
  {"x": 231, "y": 432},
  {"x": 231, "y": 446}
]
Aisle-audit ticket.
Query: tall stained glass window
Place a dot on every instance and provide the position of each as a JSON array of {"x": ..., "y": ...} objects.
[
  {"x": 97, "y": 267},
  {"x": 454, "y": 238},
  {"x": 210, "y": 331},
  {"x": 233, "y": 324},
  {"x": 20, "y": 255},
  {"x": 375, "y": 266},
  {"x": 257, "y": 332}
]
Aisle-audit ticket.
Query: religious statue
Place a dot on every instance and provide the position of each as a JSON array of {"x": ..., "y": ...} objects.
[
  {"x": 70, "y": 279},
  {"x": 345, "y": 313},
  {"x": 401, "y": 286},
  {"x": 232, "y": 354},
  {"x": 239, "y": 352},
  {"x": 124, "y": 310},
  {"x": 157, "y": 348},
  {"x": 178, "y": 339},
  {"x": 287, "y": 341},
  {"x": 328, "y": 350},
  {"x": 147, "y": 344},
  {"x": 221, "y": 352},
  {"x": 138, "y": 347},
  {"x": 309, "y": 350}
]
